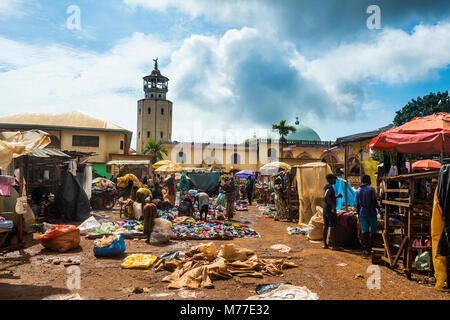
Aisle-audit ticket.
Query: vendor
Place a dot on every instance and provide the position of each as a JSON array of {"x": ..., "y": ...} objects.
[
  {"x": 185, "y": 208},
  {"x": 39, "y": 196},
  {"x": 142, "y": 194},
  {"x": 157, "y": 194},
  {"x": 150, "y": 213},
  {"x": 329, "y": 213},
  {"x": 366, "y": 207},
  {"x": 203, "y": 204},
  {"x": 171, "y": 186}
]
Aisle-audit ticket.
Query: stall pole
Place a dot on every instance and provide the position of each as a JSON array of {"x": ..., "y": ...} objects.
[
  {"x": 346, "y": 175},
  {"x": 360, "y": 160},
  {"x": 442, "y": 148}
]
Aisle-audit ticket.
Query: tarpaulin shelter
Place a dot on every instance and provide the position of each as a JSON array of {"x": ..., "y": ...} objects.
[
  {"x": 71, "y": 200},
  {"x": 244, "y": 174},
  {"x": 311, "y": 179},
  {"x": 16, "y": 144},
  {"x": 272, "y": 168},
  {"x": 162, "y": 163},
  {"x": 429, "y": 135},
  {"x": 172, "y": 167},
  {"x": 205, "y": 181}
]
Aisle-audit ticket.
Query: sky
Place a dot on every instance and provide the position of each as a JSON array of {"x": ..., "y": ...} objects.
[{"x": 235, "y": 67}]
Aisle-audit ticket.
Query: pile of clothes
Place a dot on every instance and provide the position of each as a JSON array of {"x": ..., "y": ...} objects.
[
  {"x": 297, "y": 230},
  {"x": 120, "y": 227},
  {"x": 202, "y": 264},
  {"x": 191, "y": 229}
]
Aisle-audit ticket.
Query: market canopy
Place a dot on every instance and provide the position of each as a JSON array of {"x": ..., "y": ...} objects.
[
  {"x": 358, "y": 137},
  {"x": 162, "y": 163},
  {"x": 16, "y": 144},
  {"x": 426, "y": 165},
  {"x": 422, "y": 135},
  {"x": 273, "y": 168},
  {"x": 173, "y": 167},
  {"x": 245, "y": 174}
]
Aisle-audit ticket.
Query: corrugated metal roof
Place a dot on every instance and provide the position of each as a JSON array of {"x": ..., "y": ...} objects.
[
  {"x": 47, "y": 153},
  {"x": 129, "y": 162}
]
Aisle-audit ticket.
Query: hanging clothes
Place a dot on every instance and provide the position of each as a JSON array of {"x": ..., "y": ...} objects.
[
  {"x": 393, "y": 171},
  {"x": 5, "y": 183},
  {"x": 73, "y": 167},
  {"x": 339, "y": 188}
]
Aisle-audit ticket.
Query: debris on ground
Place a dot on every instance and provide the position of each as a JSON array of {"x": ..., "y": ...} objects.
[
  {"x": 287, "y": 292},
  {"x": 266, "y": 288},
  {"x": 281, "y": 247},
  {"x": 297, "y": 230},
  {"x": 138, "y": 261},
  {"x": 203, "y": 264}
]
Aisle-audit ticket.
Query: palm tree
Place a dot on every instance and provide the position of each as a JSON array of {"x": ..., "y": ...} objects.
[
  {"x": 283, "y": 130},
  {"x": 155, "y": 149}
]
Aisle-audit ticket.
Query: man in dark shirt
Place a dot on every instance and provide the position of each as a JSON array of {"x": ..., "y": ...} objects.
[
  {"x": 329, "y": 212},
  {"x": 366, "y": 207}
]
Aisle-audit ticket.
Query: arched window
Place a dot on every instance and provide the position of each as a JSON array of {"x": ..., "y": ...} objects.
[
  {"x": 148, "y": 134},
  {"x": 162, "y": 111},
  {"x": 272, "y": 154},
  {"x": 149, "y": 110},
  {"x": 181, "y": 157},
  {"x": 162, "y": 134},
  {"x": 235, "y": 158}
]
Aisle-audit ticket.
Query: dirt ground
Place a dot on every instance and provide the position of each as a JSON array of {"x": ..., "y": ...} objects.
[{"x": 332, "y": 275}]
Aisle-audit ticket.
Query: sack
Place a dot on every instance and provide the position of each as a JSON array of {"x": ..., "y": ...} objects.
[
  {"x": 231, "y": 252},
  {"x": 116, "y": 248},
  {"x": 162, "y": 231},
  {"x": 62, "y": 238},
  {"x": 137, "y": 210},
  {"x": 315, "y": 227},
  {"x": 89, "y": 225}
]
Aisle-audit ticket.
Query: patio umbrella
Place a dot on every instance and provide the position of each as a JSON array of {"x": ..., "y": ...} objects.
[
  {"x": 426, "y": 165},
  {"x": 162, "y": 163},
  {"x": 423, "y": 135},
  {"x": 173, "y": 167},
  {"x": 273, "y": 168},
  {"x": 245, "y": 174}
]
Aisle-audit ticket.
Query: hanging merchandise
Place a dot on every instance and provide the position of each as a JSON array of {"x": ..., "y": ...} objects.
[{"x": 73, "y": 167}]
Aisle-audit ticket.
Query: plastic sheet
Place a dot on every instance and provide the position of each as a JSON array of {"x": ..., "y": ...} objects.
[
  {"x": 287, "y": 292},
  {"x": 138, "y": 261},
  {"x": 115, "y": 249}
]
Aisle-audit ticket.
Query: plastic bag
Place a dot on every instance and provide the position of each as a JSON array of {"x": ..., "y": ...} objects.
[
  {"x": 138, "y": 261},
  {"x": 162, "y": 231},
  {"x": 281, "y": 247},
  {"x": 137, "y": 210},
  {"x": 266, "y": 288},
  {"x": 315, "y": 226},
  {"x": 62, "y": 238},
  {"x": 89, "y": 225},
  {"x": 422, "y": 261},
  {"x": 287, "y": 292},
  {"x": 116, "y": 248}
]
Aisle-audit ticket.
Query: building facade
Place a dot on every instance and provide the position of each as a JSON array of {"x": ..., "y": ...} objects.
[{"x": 154, "y": 112}]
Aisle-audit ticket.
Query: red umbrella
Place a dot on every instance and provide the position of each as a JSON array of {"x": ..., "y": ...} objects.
[
  {"x": 423, "y": 135},
  {"x": 426, "y": 165}
]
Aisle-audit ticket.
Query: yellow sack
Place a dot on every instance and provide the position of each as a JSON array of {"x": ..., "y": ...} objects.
[
  {"x": 138, "y": 260},
  {"x": 439, "y": 263}
]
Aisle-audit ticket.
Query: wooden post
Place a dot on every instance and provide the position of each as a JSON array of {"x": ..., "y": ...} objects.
[
  {"x": 360, "y": 160},
  {"x": 346, "y": 175}
]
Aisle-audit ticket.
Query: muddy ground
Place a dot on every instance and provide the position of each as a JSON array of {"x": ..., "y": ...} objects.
[{"x": 332, "y": 275}]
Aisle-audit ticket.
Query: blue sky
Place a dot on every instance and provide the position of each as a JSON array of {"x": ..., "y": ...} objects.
[{"x": 234, "y": 66}]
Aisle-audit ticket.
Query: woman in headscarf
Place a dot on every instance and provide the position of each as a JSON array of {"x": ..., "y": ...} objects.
[
  {"x": 183, "y": 185},
  {"x": 229, "y": 191}
]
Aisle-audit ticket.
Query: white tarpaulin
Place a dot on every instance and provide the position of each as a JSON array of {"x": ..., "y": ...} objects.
[{"x": 16, "y": 144}]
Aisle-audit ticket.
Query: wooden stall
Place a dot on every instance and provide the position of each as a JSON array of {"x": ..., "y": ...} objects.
[{"x": 407, "y": 220}]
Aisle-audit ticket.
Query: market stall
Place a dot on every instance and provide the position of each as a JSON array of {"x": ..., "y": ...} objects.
[{"x": 408, "y": 198}]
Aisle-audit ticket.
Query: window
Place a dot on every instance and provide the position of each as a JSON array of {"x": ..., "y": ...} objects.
[
  {"x": 162, "y": 111},
  {"x": 152, "y": 95},
  {"x": 54, "y": 143},
  {"x": 121, "y": 145},
  {"x": 181, "y": 157},
  {"x": 160, "y": 96},
  {"x": 139, "y": 110},
  {"x": 149, "y": 110},
  {"x": 139, "y": 134},
  {"x": 162, "y": 134},
  {"x": 85, "y": 141},
  {"x": 148, "y": 134},
  {"x": 235, "y": 158},
  {"x": 272, "y": 154}
]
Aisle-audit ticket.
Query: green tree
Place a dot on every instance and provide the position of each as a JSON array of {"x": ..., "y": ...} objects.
[
  {"x": 155, "y": 149},
  {"x": 283, "y": 130},
  {"x": 429, "y": 104}
]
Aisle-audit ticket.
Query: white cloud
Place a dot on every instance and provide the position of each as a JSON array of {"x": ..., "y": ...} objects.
[{"x": 11, "y": 8}]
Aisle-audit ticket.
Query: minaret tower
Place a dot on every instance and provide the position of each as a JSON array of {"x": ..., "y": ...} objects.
[{"x": 154, "y": 120}]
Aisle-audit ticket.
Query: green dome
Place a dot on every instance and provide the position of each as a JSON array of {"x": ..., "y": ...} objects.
[{"x": 303, "y": 133}]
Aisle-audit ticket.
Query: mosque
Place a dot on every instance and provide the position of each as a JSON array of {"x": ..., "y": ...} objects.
[{"x": 154, "y": 121}]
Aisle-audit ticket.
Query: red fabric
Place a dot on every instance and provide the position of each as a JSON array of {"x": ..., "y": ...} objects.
[{"x": 424, "y": 135}]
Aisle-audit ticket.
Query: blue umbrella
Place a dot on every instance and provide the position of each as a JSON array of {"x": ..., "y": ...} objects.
[{"x": 245, "y": 174}]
